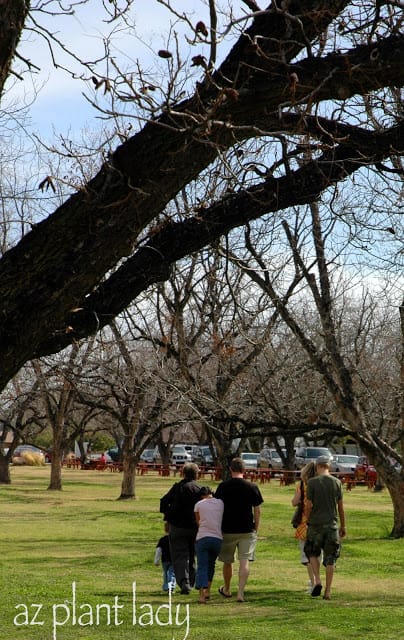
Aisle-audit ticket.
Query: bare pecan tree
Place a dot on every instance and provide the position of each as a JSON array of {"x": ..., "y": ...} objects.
[{"x": 365, "y": 393}]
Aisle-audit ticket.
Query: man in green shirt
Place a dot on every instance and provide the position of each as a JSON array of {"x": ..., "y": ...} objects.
[{"x": 324, "y": 506}]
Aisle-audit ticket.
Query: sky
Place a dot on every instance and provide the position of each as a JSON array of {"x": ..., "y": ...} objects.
[{"x": 59, "y": 104}]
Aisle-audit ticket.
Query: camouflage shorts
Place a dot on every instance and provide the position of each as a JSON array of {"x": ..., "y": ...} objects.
[{"x": 325, "y": 539}]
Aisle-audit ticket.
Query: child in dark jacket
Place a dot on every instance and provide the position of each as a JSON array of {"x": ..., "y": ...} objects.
[{"x": 163, "y": 556}]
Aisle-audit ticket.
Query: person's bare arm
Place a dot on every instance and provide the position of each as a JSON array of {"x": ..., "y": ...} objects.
[{"x": 341, "y": 513}]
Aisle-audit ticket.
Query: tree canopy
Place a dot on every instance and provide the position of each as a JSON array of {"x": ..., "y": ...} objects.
[{"x": 298, "y": 70}]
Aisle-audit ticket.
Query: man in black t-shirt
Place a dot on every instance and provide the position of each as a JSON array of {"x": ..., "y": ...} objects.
[{"x": 241, "y": 517}]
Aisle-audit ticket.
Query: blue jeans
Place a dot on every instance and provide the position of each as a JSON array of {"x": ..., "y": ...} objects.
[
  {"x": 168, "y": 576},
  {"x": 207, "y": 550}
]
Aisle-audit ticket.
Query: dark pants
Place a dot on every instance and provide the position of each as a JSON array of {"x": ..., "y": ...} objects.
[{"x": 182, "y": 548}]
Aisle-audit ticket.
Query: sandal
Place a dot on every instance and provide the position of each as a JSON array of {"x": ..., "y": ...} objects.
[{"x": 222, "y": 593}]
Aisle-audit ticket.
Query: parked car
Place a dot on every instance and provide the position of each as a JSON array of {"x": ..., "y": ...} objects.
[
  {"x": 195, "y": 451},
  {"x": 304, "y": 455},
  {"x": 250, "y": 460},
  {"x": 364, "y": 470},
  {"x": 207, "y": 457},
  {"x": 114, "y": 453},
  {"x": 148, "y": 455},
  {"x": 22, "y": 455},
  {"x": 270, "y": 459},
  {"x": 344, "y": 463},
  {"x": 179, "y": 455}
]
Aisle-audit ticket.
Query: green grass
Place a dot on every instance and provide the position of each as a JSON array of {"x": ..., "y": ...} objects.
[{"x": 85, "y": 536}]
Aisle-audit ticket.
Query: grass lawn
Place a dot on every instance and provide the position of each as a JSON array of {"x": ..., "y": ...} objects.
[{"x": 78, "y": 564}]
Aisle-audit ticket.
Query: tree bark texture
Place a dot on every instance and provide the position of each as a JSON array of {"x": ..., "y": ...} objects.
[
  {"x": 128, "y": 478},
  {"x": 12, "y": 18},
  {"x": 55, "y": 483},
  {"x": 4, "y": 470}
]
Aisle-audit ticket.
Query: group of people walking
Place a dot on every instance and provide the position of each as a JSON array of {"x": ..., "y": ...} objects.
[
  {"x": 216, "y": 526},
  {"x": 212, "y": 527}
]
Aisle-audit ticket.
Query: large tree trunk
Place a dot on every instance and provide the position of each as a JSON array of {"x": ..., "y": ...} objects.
[
  {"x": 395, "y": 481},
  {"x": 4, "y": 470},
  {"x": 55, "y": 483},
  {"x": 56, "y": 467},
  {"x": 129, "y": 475},
  {"x": 396, "y": 491},
  {"x": 378, "y": 452},
  {"x": 13, "y": 14},
  {"x": 395, "y": 486}
]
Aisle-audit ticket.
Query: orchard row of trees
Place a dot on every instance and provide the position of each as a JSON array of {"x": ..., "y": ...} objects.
[
  {"x": 209, "y": 350},
  {"x": 275, "y": 136}
]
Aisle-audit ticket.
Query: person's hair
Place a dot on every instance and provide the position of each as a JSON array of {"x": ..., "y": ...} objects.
[
  {"x": 308, "y": 471},
  {"x": 205, "y": 491},
  {"x": 237, "y": 465},
  {"x": 190, "y": 471}
]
